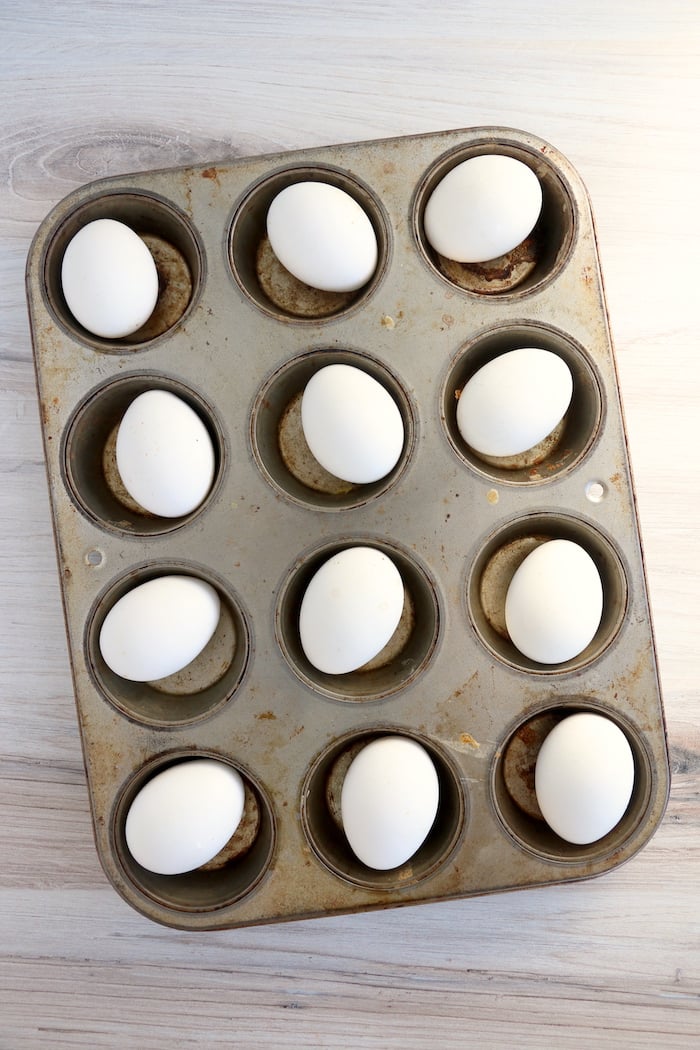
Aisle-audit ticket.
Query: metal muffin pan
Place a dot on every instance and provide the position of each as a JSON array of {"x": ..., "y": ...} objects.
[{"x": 238, "y": 341}]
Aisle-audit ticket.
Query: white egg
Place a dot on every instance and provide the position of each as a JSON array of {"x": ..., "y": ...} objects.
[
  {"x": 164, "y": 453},
  {"x": 159, "y": 627},
  {"x": 483, "y": 208},
  {"x": 554, "y": 602},
  {"x": 351, "y": 424},
  {"x": 184, "y": 816},
  {"x": 322, "y": 236},
  {"x": 350, "y": 609},
  {"x": 109, "y": 279},
  {"x": 514, "y": 401},
  {"x": 584, "y": 777},
  {"x": 389, "y": 801}
]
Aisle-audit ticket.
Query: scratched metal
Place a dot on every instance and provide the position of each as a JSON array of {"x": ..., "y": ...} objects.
[{"x": 451, "y": 521}]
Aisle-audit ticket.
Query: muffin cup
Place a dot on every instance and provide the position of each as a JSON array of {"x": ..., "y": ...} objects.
[
  {"x": 565, "y": 448},
  {"x": 280, "y": 449},
  {"x": 88, "y": 457},
  {"x": 325, "y": 834},
  {"x": 534, "y": 262},
  {"x": 503, "y": 553},
  {"x": 230, "y": 876},
  {"x": 201, "y": 688},
  {"x": 513, "y": 795},
  {"x": 406, "y": 655},
  {"x": 263, "y": 278},
  {"x": 176, "y": 249}
]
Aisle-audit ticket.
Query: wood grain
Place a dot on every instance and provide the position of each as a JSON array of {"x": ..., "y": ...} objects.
[{"x": 97, "y": 89}]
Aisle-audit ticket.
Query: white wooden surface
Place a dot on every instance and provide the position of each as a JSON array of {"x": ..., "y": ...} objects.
[{"x": 90, "y": 89}]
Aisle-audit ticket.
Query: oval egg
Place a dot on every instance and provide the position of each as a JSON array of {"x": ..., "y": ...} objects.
[
  {"x": 351, "y": 424},
  {"x": 165, "y": 456},
  {"x": 483, "y": 208},
  {"x": 554, "y": 602},
  {"x": 184, "y": 816},
  {"x": 109, "y": 279},
  {"x": 389, "y": 801},
  {"x": 159, "y": 627},
  {"x": 584, "y": 777},
  {"x": 514, "y": 402},
  {"x": 322, "y": 236},
  {"x": 350, "y": 609}
]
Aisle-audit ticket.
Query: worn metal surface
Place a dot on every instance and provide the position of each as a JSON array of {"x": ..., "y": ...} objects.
[{"x": 457, "y": 684}]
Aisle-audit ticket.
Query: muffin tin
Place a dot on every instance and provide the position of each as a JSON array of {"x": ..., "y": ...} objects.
[{"x": 237, "y": 339}]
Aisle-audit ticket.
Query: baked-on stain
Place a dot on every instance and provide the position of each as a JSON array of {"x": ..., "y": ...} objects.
[
  {"x": 399, "y": 639},
  {"x": 336, "y": 776},
  {"x": 113, "y": 478},
  {"x": 174, "y": 288},
  {"x": 497, "y": 575},
  {"x": 289, "y": 294},
  {"x": 534, "y": 456},
  {"x": 298, "y": 457},
  {"x": 243, "y": 837},
  {"x": 520, "y": 758},
  {"x": 495, "y": 275},
  {"x": 209, "y": 667},
  {"x": 46, "y": 409}
]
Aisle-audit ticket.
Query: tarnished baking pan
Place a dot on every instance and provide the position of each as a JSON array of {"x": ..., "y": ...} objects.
[{"x": 238, "y": 341}]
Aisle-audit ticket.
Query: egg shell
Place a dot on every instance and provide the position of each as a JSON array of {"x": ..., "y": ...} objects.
[
  {"x": 389, "y": 801},
  {"x": 322, "y": 236},
  {"x": 584, "y": 777},
  {"x": 165, "y": 456},
  {"x": 351, "y": 424},
  {"x": 159, "y": 627},
  {"x": 514, "y": 402},
  {"x": 184, "y": 816},
  {"x": 483, "y": 208},
  {"x": 350, "y": 609},
  {"x": 554, "y": 602},
  {"x": 109, "y": 279}
]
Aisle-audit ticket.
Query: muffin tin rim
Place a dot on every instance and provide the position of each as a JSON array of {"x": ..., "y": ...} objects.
[
  {"x": 386, "y": 235},
  {"x": 211, "y": 421},
  {"x": 159, "y": 762},
  {"x": 577, "y": 703},
  {"x": 74, "y": 203},
  {"x": 547, "y": 672},
  {"x": 374, "y": 731},
  {"x": 536, "y": 325},
  {"x": 144, "y": 572},
  {"x": 335, "y": 544},
  {"x": 411, "y": 432},
  {"x": 419, "y": 201}
]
